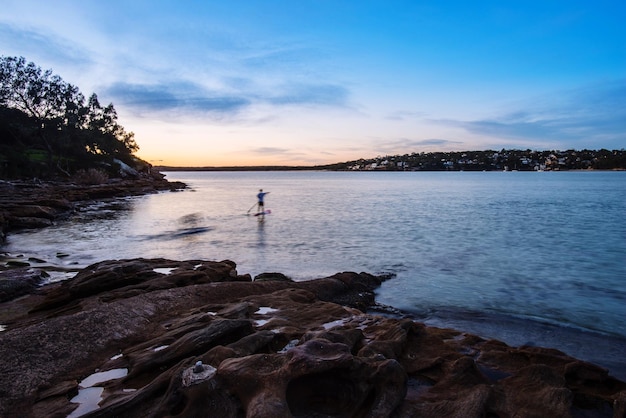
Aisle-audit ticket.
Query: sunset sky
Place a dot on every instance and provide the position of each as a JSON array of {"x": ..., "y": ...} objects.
[{"x": 277, "y": 82}]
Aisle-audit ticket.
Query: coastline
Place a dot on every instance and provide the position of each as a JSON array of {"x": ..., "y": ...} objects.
[
  {"x": 164, "y": 337},
  {"x": 587, "y": 345},
  {"x": 451, "y": 350},
  {"x": 591, "y": 346},
  {"x": 37, "y": 204}
]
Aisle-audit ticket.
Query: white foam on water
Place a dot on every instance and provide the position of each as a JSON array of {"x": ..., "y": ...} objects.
[{"x": 58, "y": 276}]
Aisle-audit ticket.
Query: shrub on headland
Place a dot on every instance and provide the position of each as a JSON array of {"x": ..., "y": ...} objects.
[{"x": 90, "y": 176}]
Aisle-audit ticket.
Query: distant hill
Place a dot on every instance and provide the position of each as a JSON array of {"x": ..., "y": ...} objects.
[{"x": 489, "y": 160}]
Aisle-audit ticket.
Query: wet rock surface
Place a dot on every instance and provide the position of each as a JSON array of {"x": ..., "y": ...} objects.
[
  {"x": 19, "y": 281},
  {"x": 156, "y": 337}
]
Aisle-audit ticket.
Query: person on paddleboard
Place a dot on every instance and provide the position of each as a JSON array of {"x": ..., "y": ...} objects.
[{"x": 260, "y": 204}]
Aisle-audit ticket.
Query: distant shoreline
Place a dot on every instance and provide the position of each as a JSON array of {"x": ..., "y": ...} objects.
[
  {"x": 486, "y": 160},
  {"x": 162, "y": 168},
  {"x": 318, "y": 168}
]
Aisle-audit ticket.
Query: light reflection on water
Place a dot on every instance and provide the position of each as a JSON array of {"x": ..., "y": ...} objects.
[{"x": 546, "y": 246}]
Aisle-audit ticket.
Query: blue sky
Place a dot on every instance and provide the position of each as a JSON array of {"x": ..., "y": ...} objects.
[{"x": 312, "y": 82}]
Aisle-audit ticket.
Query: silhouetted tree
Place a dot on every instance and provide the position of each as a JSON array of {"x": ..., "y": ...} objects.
[{"x": 56, "y": 121}]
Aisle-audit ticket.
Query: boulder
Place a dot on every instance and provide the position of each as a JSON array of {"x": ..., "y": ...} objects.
[
  {"x": 20, "y": 281},
  {"x": 272, "y": 276}
]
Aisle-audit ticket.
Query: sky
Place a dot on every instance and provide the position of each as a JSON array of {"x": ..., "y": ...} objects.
[{"x": 308, "y": 82}]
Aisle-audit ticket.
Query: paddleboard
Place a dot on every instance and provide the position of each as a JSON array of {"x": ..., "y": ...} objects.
[{"x": 265, "y": 212}]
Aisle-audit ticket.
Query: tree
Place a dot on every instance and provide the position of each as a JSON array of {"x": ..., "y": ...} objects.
[
  {"x": 102, "y": 122},
  {"x": 41, "y": 95},
  {"x": 71, "y": 133}
]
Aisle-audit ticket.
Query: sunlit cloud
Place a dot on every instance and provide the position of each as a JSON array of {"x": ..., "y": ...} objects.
[
  {"x": 406, "y": 145},
  {"x": 284, "y": 155},
  {"x": 271, "y": 150}
]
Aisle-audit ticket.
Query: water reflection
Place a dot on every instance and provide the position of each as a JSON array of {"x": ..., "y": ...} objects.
[
  {"x": 261, "y": 234},
  {"x": 187, "y": 226}
]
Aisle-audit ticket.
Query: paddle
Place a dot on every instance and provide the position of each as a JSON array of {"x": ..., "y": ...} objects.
[{"x": 251, "y": 208}]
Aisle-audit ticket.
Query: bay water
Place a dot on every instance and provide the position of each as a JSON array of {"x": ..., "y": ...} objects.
[{"x": 535, "y": 258}]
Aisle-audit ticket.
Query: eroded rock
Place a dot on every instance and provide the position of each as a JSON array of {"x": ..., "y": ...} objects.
[{"x": 197, "y": 339}]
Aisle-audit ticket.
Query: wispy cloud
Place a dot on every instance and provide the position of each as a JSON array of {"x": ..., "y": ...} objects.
[
  {"x": 580, "y": 117},
  {"x": 276, "y": 56},
  {"x": 284, "y": 155},
  {"x": 402, "y": 115},
  {"x": 193, "y": 98},
  {"x": 31, "y": 43},
  {"x": 310, "y": 94},
  {"x": 180, "y": 96},
  {"x": 406, "y": 145},
  {"x": 271, "y": 150},
  {"x": 430, "y": 142},
  {"x": 235, "y": 88}
]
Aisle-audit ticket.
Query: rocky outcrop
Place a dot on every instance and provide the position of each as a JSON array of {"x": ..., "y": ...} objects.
[
  {"x": 19, "y": 281},
  {"x": 153, "y": 338},
  {"x": 37, "y": 205}
]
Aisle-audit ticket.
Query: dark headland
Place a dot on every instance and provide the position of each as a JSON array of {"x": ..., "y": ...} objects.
[{"x": 157, "y": 337}]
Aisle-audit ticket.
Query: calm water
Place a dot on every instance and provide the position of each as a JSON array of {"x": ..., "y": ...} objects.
[{"x": 537, "y": 258}]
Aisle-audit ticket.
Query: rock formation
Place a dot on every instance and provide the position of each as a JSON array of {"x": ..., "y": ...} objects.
[{"x": 154, "y": 338}]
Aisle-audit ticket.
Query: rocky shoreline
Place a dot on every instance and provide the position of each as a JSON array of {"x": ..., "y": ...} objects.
[
  {"x": 156, "y": 337},
  {"x": 35, "y": 204}
]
